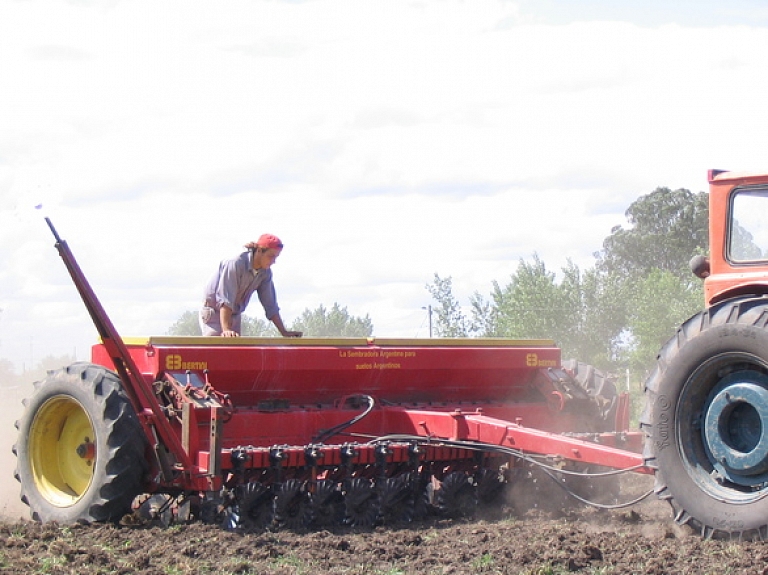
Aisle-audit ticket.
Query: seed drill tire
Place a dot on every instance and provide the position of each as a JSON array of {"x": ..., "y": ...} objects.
[
  {"x": 727, "y": 343},
  {"x": 601, "y": 387},
  {"x": 80, "y": 449}
]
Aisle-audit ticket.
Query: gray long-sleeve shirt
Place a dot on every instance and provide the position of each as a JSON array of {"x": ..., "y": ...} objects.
[{"x": 234, "y": 283}]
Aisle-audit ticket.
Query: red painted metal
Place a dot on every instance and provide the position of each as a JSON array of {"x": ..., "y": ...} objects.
[
  {"x": 286, "y": 392},
  {"x": 254, "y": 370},
  {"x": 728, "y": 278}
]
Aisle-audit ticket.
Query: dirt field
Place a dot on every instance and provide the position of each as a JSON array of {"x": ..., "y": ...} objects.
[{"x": 641, "y": 539}]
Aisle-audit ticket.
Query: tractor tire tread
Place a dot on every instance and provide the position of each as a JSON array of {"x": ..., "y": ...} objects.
[
  {"x": 748, "y": 312},
  {"x": 118, "y": 475}
]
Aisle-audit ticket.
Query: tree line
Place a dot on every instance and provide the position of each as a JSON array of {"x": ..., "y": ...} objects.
[
  {"x": 320, "y": 322},
  {"x": 616, "y": 314}
]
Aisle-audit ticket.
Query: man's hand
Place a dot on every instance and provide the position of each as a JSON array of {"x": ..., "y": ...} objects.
[
  {"x": 278, "y": 321},
  {"x": 229, "y": 333}
]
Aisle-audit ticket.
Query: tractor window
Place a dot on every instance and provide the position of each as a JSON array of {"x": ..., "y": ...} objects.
[{"x": 748, "y": 230}]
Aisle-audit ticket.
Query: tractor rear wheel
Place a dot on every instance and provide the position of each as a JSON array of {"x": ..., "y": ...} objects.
[
  {"x": 706, "y": 421},
  {"x": 80, "y": 449}
]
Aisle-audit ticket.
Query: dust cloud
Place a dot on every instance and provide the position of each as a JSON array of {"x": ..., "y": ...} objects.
[{"x": 11, "y": 408}]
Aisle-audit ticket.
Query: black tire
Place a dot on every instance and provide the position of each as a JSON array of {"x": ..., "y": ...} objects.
[
  {"x": 396, "y": 499},
  {"x": 361, "y": 502},
  {"x": 325, "y": 505},
  {"x": 291, "y": 505},
  {"x": 254, "y": 510},
  {"x": 705, "y": 401},
  {"x": 490, "y": 486},
  {"x": 601, "y": 389},
  {"x": 80, "y": 449},
  {"x": 457, "y": 496}
]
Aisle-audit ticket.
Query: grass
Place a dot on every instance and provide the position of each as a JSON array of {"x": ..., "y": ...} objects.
[
  {"x": 483, "y": 562},
  {"x": 49, "y": 564},
  {"x": 547, "y": 570},
  {"x": 296, "y": 564}
]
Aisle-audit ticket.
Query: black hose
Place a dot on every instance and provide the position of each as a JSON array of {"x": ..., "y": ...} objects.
[
  {"x": 549, "y": 470},
  {"x": 322, "y": 437}
]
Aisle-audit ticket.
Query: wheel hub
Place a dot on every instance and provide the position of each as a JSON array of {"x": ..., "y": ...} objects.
[
  {"x": 736, "y": 428},
  {"x": 61, "y": 450}
]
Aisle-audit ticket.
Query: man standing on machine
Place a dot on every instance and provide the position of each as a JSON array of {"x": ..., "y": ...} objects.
[{"x": 229, "y": 290}]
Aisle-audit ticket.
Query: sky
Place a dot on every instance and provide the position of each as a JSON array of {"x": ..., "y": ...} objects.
[{"x": 382, "y": 141}]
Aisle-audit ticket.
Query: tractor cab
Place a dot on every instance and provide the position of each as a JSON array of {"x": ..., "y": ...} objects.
[{"x": 738, "y": 237}]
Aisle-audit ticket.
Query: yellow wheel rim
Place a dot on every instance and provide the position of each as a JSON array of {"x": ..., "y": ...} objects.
[{"x": 62, "y": 450}]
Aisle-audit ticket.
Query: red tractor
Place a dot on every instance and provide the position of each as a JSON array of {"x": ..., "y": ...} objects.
[
  {"x": 706, "y": 416},
  {"x": 258, "y": 432}
]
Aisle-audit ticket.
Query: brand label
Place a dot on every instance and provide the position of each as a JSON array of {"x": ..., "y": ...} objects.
[
  {"x": 662, "y": 425},
  {"x": 174, "y": 362},
  {"x": 532, "y": 360}
]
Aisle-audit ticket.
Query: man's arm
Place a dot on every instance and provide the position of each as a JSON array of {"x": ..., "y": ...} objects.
[
  {"x": 225, "y": 315},
  {"x": 277, "y": 320}
]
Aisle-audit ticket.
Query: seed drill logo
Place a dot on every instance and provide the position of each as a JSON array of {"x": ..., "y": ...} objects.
[
  {"x": 532, "y": 360},
  {"x": 173, "y": 362}
]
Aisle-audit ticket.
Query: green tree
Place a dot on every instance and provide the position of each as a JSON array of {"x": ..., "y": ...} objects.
[
  {"x": 534, "y": 305},
  {"x": 336, "y": 322},
  {"x": 666, "y": 228},
  {"x": 662, "y": 302},
  {"x": 588, "y": 329},
  {"x": 449, "y": 320},
  {"x": 645, "y": 267},
  {"x": 614, "y": 315},
  {"x": 256, "y": 327},
  {"x": 529, "y": 306},
  {"x": 189, "y": 324}
]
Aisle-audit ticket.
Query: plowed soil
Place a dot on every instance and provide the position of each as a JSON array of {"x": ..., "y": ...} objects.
[{"x": 640, "y": 539}]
